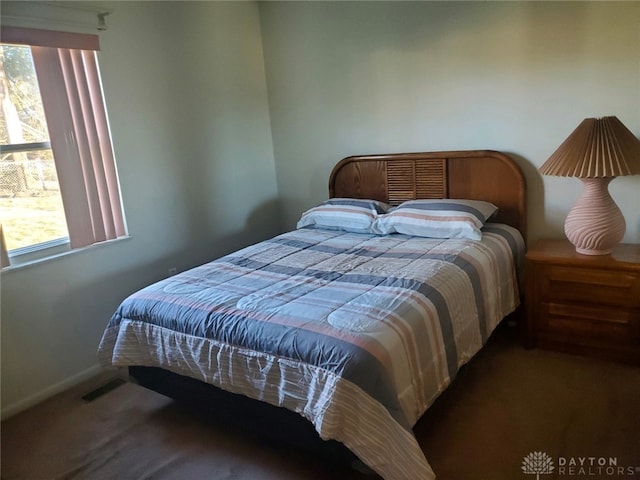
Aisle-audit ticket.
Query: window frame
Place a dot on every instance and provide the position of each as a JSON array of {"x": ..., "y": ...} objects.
[
  {"x": 36, "y": 251},
  {"x": 87, "y": 172}
]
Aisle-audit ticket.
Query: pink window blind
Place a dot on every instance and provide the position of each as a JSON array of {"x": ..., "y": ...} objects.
[{"x": 69, "y": 80}]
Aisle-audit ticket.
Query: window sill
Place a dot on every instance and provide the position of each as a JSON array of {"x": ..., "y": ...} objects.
[{"x": 24, "y": 261}]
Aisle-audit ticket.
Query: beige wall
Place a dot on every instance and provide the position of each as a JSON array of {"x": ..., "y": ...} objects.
[
  {"x": 186, "y": 95},
  {"x": 208, "y": 162},
  {"x": 349, "y": 78}
]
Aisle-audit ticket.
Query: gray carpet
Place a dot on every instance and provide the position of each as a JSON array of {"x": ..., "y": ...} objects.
[{"x": 507, "y": 403}]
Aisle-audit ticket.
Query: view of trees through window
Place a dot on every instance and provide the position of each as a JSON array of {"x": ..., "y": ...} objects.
[{"x": 30, "y": 202}]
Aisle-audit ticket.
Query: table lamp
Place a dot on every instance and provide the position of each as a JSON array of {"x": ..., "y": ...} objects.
[{"x": 599, "y": 150}]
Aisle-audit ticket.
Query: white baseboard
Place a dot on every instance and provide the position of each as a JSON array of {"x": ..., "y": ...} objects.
[{"x": 49, "y": 392}]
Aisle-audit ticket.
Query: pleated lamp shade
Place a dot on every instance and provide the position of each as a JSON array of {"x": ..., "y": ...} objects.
[{"x": 599, "y": 150}]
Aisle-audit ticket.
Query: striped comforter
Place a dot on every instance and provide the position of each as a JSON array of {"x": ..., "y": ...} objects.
[{"x": 358, "y": 333}]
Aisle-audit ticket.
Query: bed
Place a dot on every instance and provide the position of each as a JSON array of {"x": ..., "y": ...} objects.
[{"x": 355, "y": 333}]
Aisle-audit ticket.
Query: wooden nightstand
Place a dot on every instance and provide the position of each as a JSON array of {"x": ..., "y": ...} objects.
[{"x": 584, "y": 304}]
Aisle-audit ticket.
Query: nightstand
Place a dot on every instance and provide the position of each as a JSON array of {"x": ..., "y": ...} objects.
[{"x": 584, "y": 304}]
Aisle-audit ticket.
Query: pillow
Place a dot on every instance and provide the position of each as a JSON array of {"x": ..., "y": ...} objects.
[
  {"x": 348, "y": 214},
  {"x": 446, "y": 218}
]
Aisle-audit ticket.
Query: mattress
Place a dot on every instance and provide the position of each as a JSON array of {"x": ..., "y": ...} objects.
[{"x": 358, "y": 333}]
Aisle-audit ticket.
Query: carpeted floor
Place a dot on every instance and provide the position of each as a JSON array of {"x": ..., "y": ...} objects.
[{"x": 507, "y": 403}]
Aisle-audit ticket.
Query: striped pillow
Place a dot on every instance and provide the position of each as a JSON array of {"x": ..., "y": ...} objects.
[
  {"x": 446, "y": 218},
  {"x": 348, "y": 214}
]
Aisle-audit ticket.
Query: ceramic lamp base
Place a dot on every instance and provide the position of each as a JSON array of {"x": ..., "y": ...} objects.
[{"x": 595, "y": 224}]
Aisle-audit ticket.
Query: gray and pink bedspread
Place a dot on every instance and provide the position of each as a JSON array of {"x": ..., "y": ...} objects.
[{"x": 358, "y": 333}]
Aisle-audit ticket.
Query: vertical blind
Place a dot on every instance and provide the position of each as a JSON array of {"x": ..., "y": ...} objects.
[{"x": 71, "y": 91}]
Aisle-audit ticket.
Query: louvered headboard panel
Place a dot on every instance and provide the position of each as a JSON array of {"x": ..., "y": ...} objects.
[
  {"x": 474, "y": 174},
  {"x": 420, "y": 178}
]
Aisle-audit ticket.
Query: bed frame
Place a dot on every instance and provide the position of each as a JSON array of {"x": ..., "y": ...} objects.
[
  {"x": 393, "y": 178},
  {"x": 472, "y": 174}
]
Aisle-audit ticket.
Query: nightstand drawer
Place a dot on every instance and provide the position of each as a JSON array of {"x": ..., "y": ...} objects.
[
  {"x": 589, "y": 321},
  {"x": 589, "y": 286},
  {"x": 584, "y": 304}
]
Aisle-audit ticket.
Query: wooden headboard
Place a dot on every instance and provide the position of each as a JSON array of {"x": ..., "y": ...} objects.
[{"x": 473, "y": 174}]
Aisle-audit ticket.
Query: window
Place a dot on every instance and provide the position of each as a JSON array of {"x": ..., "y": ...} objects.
[
  {"x": 32, "y": 210},
  {"x": 58, "y": 181}
]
